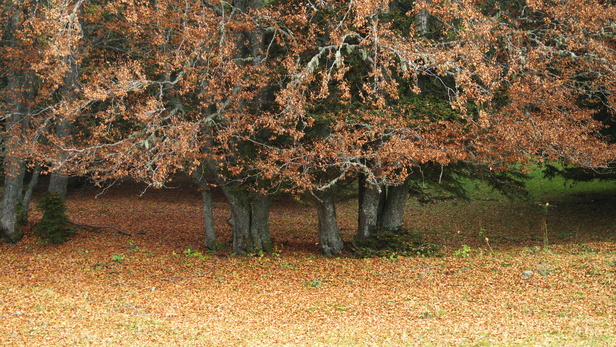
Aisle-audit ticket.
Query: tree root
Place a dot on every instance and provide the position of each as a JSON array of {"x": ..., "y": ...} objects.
[{"x": 104, "y": 227}]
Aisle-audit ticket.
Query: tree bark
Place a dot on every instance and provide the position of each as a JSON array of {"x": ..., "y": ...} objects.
[
  {"x": 58, "y": 182},
  {"x": 14, "y": 169},
  {"x": 19, "y": 92},
  {"x": 380, "y": 212},
  {"x": 259, "y": 226},
  {"x": 27, "y": 197},
  {"x": 249, "y": 213},
  {"x": 369, "y": 209},
  {"x": 422, "y": 20},
  {"x": 330, "y": 242},
  {"x": 208, "y": 219},
  {"x": 393, "y": 211},
  {"x": 208, "y": 211},
  {"x": 249, "y": 221},
  {"x": 240, "y": 221}
]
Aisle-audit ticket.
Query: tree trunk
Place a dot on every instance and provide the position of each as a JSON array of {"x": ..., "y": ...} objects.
[
  {"x": 19, "y": 91},
  {"x": 330, "y": 242},
  {"x": 14, "y": 170},
  {"x": 58, "y": 181},
  {"x": 259, "y": 227},
  {"x": 249, "y": 221},
  {"x": 206, "y": 197},
  {"x": 58, "y": 184},
  {"x": 393, "y": 211},
  {"x": 240, "y": 221},
  {"x": 422, "y": 20},
  {"x": 249, "y": 214},
  {"x": 369, "y": 209},
  {"x": 27, "y": 197},
  {"x": 380, "y": 211},
  {"x": 208, "y": 220}
]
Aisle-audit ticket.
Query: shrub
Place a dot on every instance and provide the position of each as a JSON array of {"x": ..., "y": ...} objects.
[{"x": 54, "y": 227}]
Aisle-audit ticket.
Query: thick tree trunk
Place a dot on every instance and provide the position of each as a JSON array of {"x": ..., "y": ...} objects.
[
  {"x": 259, "y": 226},
  {"x": 14, "y": 170},
  {"x": 393, "y": 211},
  {"x": 208, "y": 220},
  {"x": 58, "y": 184},
  {"x": 380, "y": 211},
  {"x": 199, "y": 176},
  {"x": 240, "y": 221},
  {"x": 330, "y": 242},
  {"x": 249, "y": 214},
  {"x": 20, "y": 91},
  {"x": 369, "y": 209},
  {"x": 249, "y": 221},
  {"x": 422, "y": 20}
]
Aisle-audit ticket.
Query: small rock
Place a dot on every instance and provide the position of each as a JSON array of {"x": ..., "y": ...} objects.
[{"x": 527, "y": 274}]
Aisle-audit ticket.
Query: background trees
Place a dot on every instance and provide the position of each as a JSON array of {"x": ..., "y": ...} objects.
[{"x": 262, "y": 97}]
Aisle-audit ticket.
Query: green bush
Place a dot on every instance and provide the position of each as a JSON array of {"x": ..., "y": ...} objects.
[{"x": 54, "y": 227}]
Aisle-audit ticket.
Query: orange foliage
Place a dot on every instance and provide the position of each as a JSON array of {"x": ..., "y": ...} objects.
[{"x": 170, "y": 85}]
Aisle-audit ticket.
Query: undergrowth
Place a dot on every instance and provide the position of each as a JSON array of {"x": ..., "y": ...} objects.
[
  {"x": 54, "y": 226},
  {"x": 390, "y": 244}
]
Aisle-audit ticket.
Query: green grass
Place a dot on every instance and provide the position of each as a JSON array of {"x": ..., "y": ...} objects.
[{"x": 560, "y": 189}]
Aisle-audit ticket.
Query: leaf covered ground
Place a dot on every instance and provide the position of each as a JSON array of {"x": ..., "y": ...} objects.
[{"x": 160, "y": 286}]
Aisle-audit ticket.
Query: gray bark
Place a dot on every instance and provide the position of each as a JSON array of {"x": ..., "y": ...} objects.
[
  {"x": 422, "y": 20},
  {"x": 369, "y": 209},
  {"x": 58, "y": 182},
  {"x": 25, "y": 203},
  {"x": 240, "y": 221},
  {"x": 380, "y": 212},
  {"x": 249, "y": 221},
  {"x": 19, "y": 91},
  {"x": 259, "y": 226},
  {"x": 249, "y": 213},
  {"x": 244, "y": 5},
  {"x": 330, "y": 242},
  {"x": 206, "y": 197},
  {"x": 14, "y": 170},
  {"x": 208, "y": 220},
  {"x": 393, "y": 211}
]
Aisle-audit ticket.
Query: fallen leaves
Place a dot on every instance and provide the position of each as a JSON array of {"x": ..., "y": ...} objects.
[{"x": 160, "y": 292}]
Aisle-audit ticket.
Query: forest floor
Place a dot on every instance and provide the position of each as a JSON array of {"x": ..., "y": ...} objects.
[{"x": 159, "y": 286}]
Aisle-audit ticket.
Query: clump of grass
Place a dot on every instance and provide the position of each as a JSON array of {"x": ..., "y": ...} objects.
[
  {"x": 390, "y": 244},
  {"x": 118, "y": 258}
]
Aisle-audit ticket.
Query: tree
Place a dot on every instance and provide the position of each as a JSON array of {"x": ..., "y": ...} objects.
[
  {"x": 507, "y": 80},
  {"x": 36, "y": 39},
  {"x": 260, "y": 97}
]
